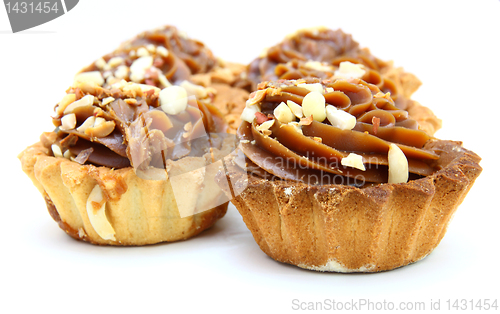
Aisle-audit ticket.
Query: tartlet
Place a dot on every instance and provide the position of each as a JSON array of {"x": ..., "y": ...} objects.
[
  {"x": 131, "y": 165},
  {"x": 332, "y": 176},
  {"x": 136, "y": 146}
]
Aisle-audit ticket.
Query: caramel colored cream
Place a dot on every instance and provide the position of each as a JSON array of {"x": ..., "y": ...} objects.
[
  {"x": 331, "y": 131},
  {"x": 132, "y": 124}
]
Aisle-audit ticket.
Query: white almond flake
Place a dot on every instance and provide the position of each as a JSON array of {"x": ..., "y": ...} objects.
[
  {"x": 353, "y": 160},
  {"x": 97, "y": 214},
  {"x": 318, "y": 66},
  {"x": 398, "y": 165},
  {"x": 88, "y": 123},
  {"x": 162, "y": 51},
  {"x": 248, "y": 113},
  {"x": 87, "y": 100},
  {"x": 314, "y": 104},
  {"x": 115, "y": 61},
  {"x": 146, "y": 87},
  {"x": 139, "y": 67},
  {"x": 349, "y": 70},
  {"x": 173, "y": 99},
  {"x": 121, "y": 72},
  {"x": 151, "y": 48},
  {"x": 68, "y": 122},
  {"x": 314, "y": 87},
  {"x": 92, "y": 77},
  {"x": 295, "y": 108},
  {"x": 107, "y": 100},
  {"x": 340, "y": 119},
  {"x": 56, "y": 150},
  {"x": 163, "y": 80},
  {"x": 265, "y": 125},
  {"x": 67, "y": 100},
  {"x": 142, "y": 52},
  {"x": 192, "y": 89},
  {"x": 100, "y": 63},
  {"x": 283, "y": 113}
]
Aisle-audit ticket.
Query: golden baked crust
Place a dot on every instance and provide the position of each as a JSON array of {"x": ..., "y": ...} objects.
[
  {"x": 348, "y": 229},
  {"x": 140, "y": 211}
]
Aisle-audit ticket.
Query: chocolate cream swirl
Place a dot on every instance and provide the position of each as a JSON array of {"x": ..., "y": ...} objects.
[
  {"x": 308, "y": 149},
  {"x": 318, "y": 52},
  {"x": 132, "y": 124}
]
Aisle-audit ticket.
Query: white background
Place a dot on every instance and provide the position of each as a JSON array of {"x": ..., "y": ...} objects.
[{"x": 452, "y": 46}]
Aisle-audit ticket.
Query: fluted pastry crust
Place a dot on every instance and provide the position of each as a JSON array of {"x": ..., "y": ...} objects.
[
  {"x": 343, "y": 228},
  {"x": 140, "y": 211}
]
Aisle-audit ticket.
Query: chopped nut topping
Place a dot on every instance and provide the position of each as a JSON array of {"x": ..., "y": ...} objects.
[
  {"x": 87, "y": 100},
  {"x": 319, "y": 66},
  {"x": 283, "y": 113},
  {"x": 398, "y": 165},
  {"x": 295, "y": 108},
  {"x": 350, "y": 70},
  {"x": 96, "y": 211},
  {"x": 255, "y": 97},
  {"x": 306, "y": 120},
  {"x": 142, "y": 52},
  {"x": 68, "y": 122},
  {"x": 121, "y": 72},
  {"x": 101, "y": 128},
  {"x": 162, "y": 51},
  {"x": 131, "y": 101},
  {"x": 56, "y": 150},
  {"x": 100, "y": 63},
  {"x": 94, "y": 77},
  {"x": 115, "y": 61},
  {"x": 339, "y": 118},
  {"x": 67, "y": 99},
  {"x": 107, "y": 100},
  {"x": 173, "y": 99},
  {"x": 314, "y": 87},
  {"x": 139, "y": 67},
  {"x": 88, "y": 123},
  {"x": 265, "y": 125},
  {"x": 163, "y": 80},
  {"x": 196, "y": 90},
  {"x": 314, "y": 104},
  {"x": 353, "y": 160},
  {"x": 248, "y": 113}
]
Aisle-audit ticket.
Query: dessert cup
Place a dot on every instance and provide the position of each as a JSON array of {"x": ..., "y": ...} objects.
[
  {"x": 130, "y": 165},
  {"x": 360, "y": 189}
]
